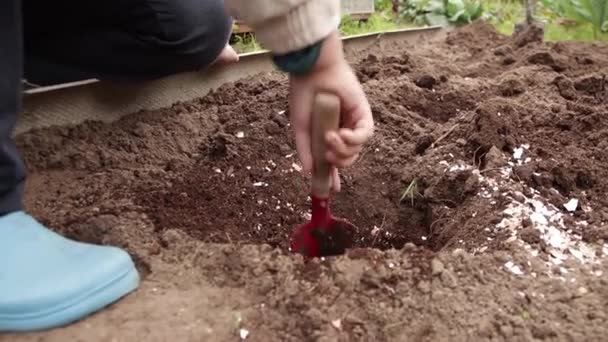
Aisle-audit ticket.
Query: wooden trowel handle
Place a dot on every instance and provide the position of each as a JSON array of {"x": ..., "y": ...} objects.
[{"x": 325, "y": 118}]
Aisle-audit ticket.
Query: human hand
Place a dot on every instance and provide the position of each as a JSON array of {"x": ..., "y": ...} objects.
[
  {"x": 227, "y": 56},
  {"x": 333, "y": 74}
]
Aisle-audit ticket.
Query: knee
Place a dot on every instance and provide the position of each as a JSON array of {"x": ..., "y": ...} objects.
[{"x": 194, "y": 32}]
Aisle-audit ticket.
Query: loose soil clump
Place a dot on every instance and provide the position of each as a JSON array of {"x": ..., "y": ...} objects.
[{"x": 480, "y": 203}]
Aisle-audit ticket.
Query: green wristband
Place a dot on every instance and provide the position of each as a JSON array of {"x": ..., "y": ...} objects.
[{"x": 299, "y": 62}]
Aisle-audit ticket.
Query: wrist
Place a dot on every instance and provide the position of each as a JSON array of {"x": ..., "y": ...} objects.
[
  {"x": 331, "y": 53},
  {"x": 311, "y": 58}
]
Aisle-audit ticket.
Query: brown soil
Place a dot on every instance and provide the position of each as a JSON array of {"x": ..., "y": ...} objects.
[{"x": 205, "y": 195}]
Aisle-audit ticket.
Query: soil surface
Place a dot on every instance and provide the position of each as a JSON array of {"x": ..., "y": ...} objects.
[{"x": 480, "y": 204}]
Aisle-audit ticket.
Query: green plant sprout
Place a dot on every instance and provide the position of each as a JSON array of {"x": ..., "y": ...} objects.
[
  {"x": 411, "y": 192},
  {"x": 246, "y": 42}
]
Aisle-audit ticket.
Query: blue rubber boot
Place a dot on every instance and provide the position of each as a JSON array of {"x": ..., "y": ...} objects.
[{"x": 48, "y": 281}]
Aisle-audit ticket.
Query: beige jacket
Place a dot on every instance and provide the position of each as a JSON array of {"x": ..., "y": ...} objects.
[{"x": 287, "y": 25}]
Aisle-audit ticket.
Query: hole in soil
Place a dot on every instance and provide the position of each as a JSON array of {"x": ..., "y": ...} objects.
[
  {"x": 252, "y": 205},
  {"x": 254, "y": 193}
]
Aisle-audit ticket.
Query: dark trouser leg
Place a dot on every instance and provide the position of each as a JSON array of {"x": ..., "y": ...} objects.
[
  {"x": 69, "y": 40},
  {"x": 12, "y": 170}
]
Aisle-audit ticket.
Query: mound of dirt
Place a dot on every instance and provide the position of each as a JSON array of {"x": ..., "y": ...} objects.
[{"x": 500, "y": 143}]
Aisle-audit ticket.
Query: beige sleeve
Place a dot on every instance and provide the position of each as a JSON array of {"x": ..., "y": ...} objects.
[{"x": 287, "y": 25}]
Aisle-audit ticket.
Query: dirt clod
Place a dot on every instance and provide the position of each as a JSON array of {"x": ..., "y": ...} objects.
[
  {"x": 546, "y": 58},
  {"x": 426, "y": 81},
  {"x": 437, "y": 267},
  {"x": 511, "y": 87},
  {"x": 530, "y": 235},
  {"x": 495, "y": 158}
]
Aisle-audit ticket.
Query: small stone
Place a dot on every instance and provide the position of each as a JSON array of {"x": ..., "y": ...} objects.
[
  {"x": 281, "y": 120},
  {"x": 519, "y": 197},
  {"x": 523, "y": 172},
  {"x": 461, "y": 142},
  {"x": 426, "y": 81},
  {"x": 571, "y": 205},
  {"x": 243, "y": 333},
  {"x": 502, "y": 50},
  {"x": 582, "y": 291},
  {"x": 409, "y": 247},
  {"x": 155, "y": 249},
  {"x": 508, "y": 60},
  {"x": 296, "y": 167},
  {"x": 471, "y": 185},
  {"x": 543, "y": 179},
  {"x": 485, "y": 328},
  {"x": 436, "y": 267},
  {"x": 530, "y": 235},
  {"x": 542, "y": 331},
  {"x": 506, "y": 331},
  {"x": 511, "y": 87},
  {"x": 513, "y": 268},
  {"x": 565, "y": 87},
  {"x": 171, "y": 238},
  {"x": 424, "y": 286},
  {"x": 495, "y": 158},
  {"x": 449, "y": 279},
  {"x": 518, "y": 153},
  {"x": 423, "y": 143},
  {"x": 272, "y": 128}
]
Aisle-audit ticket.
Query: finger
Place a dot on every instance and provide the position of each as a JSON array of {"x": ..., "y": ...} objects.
[
  {"x": 300, "y": 108},
  {"x": 357, "y": 112},
  {"x": 341, "y": 162},
  {"x": 357, "y": 136},
  {"x": 337, "y": 145},
  {"x": 336, "y": 185},
  {"x": 333, "y": 158},
  {"x": 361, "y": 125}
]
